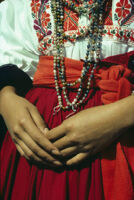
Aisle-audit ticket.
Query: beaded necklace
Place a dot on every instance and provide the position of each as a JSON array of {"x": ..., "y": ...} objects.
[{"x": 92, "y": 57}]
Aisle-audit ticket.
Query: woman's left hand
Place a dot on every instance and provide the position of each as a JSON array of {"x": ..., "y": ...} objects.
[{"x": 86, "y": 133}]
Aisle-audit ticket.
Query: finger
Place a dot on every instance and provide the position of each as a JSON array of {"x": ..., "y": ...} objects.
[
  {"x": 24, "y": 155},
  {"x": 69, "y": 151},
  {"x": 64, "y": 142},
  {"x": 20, "y": 150},
  {"x": 32, "y": 156},
  {"x": 30, "y": 128},
  {"x": 77, "y": 159},
  {"x": 28, "y": 141},
  {"x": 56, "y": 133},
  {"x": 38, "y": 119},
  {"x": 27, "y": 152}
]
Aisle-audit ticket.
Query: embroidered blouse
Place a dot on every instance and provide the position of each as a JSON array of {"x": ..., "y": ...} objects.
[{"x": 27, "y": 28}]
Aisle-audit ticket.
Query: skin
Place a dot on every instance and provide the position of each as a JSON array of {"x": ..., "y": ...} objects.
[
  {"x": 92, "y": 130},
  {"x": 27, "y": 128},
  {"x": 78, "y": 137}
]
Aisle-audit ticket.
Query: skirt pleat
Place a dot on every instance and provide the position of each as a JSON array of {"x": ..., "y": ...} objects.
[{"x": 21, "y": 180}]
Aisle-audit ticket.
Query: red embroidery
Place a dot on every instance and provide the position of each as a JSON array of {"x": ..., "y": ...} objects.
[
  {"x": 123, "y": 9},
  {"x": 117, "y": 33},
  {"x": 43, "y": 26},
  {"x": 108, "y": 13},
  {"x": 35, "y": 4},
  {"x": 71, "y": 20},
  {"x": 45, "y": 19}
]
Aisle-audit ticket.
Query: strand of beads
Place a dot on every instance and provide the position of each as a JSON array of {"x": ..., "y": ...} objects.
[
  {"x": 83, "y": 8},
  {"x": 58, "y": 13},
  {"x": 91, "y": 58}
]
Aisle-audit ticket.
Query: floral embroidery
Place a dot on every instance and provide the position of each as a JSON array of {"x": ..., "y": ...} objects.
[
  {"x": 46, "y": 44},
  {"x": 42, "y": 24},
  {"x": 45, "y": 19},
  {"x": 122, "y": 10},
  {"x": 41, "y": 13},
  {"x": 118, "y": 34},
  {"x": 35, "y": 4}
]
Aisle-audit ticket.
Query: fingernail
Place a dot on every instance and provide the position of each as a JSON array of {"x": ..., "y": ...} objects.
[
  {"x": 57, "y": 163},
  {"x": 56, "y": 152}
]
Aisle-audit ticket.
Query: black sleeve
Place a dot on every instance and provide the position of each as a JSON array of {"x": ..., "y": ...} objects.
[
  {"x": 131, "y": 63},
  {"x": 13, "y": 76}
]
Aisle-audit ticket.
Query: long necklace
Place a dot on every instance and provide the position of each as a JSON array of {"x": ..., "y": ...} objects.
[{"x": 92, "y": 57}]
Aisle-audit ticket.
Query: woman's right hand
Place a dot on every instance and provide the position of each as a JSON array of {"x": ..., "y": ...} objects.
[{"x": 27, "y": 128}]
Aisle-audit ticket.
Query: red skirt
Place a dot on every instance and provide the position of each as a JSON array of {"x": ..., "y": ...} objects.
[{"x": 22, "y": 181}]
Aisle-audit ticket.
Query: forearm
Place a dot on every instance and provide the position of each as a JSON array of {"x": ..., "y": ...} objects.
[
  {"x": 120, "y": 115},
  {"x": 4, "y": 93},
  {"x": 125, "y": 111}
]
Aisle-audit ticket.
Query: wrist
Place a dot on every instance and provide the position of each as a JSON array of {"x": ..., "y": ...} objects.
[
  {"x": 122, "y": 113},
  {"x": 7, "y": 89},
  {"x": 4, "y": 95}
]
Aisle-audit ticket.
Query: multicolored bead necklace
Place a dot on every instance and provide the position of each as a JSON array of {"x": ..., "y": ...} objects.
[{"x": 92, "y": 57}]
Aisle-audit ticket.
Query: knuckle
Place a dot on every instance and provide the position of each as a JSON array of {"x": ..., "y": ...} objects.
[
  {"x": 30, "y": 155},
  {"x": 67, "y": 126},
  {"x": 37, "y": 138},
  {"x": 16, "y": 130},
  {"x": 35, "y": 150},
  {"x": 22, "y": 121},
  {"x": 73, "y": 140},
  {"x": 41, "y": 154}
]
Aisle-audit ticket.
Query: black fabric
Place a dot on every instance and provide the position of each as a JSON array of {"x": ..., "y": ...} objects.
[
  {"x": 13, "y": 76},
  {"x": 131, "y": 63},
  {"x": 3, "y": 130}
]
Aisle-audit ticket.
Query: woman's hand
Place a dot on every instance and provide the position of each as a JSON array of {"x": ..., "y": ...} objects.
[
  {"x": 90, "y": 131},
  {"x": 27, "y": 128}
]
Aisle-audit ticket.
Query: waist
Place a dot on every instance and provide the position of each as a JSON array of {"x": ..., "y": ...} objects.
[{"x": 44, "y": 76}]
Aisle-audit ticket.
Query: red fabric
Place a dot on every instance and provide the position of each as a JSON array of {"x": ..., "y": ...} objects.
[
  {"x": 20, "y": 180},
  {"x": 45, "y": 76},
  {"x": 114, "y": 83},
  {"x": 117, "y": 162}
]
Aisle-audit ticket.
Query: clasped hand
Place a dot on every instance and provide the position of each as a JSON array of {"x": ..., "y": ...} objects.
[
  {"x": 84, "y": 134},
  {"x": 78, "y": 137}
]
